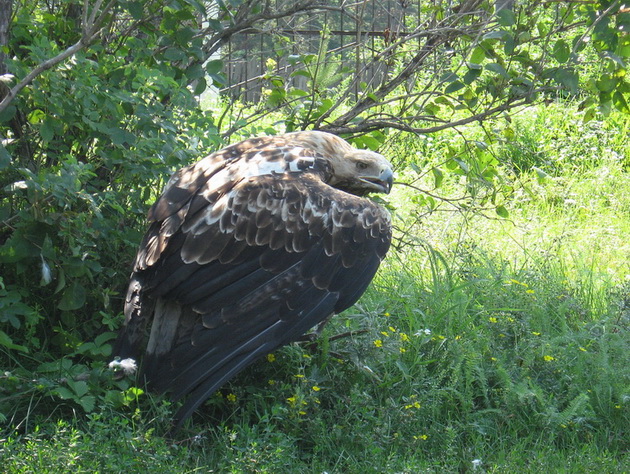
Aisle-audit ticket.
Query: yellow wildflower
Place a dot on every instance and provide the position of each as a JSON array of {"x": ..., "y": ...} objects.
[
  {"x": 493, "y": 320},
  {"x": 271, "y": 357},
  {"x": 316, "y": 388},
  {"x": 516, "y": 282},
  {"x": 548, "y": 358},
  {"x": 231, "y": 397},
  {"x": 378, "y": 343}
]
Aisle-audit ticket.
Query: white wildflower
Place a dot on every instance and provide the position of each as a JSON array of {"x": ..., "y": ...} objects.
[
  {"x": 423, "y": 332},
  {"x": 476, "y": 463},
  {"x": 128, "y": 366}
]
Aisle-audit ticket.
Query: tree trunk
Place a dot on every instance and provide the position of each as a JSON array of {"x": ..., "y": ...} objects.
[{"x": 6, "y": 10}]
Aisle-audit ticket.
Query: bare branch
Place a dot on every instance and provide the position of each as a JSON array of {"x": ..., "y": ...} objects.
[
  {"x": 371, "y": 125},
  {"x": 244, "y": 20}
]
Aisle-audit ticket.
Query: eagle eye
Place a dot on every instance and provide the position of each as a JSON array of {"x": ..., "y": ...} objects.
[{"x": 362, "y": 165}]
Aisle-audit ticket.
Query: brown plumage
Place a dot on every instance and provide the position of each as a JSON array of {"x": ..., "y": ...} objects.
[{"x": 247, "y": 250}]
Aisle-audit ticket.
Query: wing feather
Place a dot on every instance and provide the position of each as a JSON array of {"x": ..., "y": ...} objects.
[{"x": 253, "y": 261}]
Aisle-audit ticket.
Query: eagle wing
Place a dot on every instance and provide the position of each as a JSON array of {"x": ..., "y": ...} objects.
[{"x": 229, "y": 273}]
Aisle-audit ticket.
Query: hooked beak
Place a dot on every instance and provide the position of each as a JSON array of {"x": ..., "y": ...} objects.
[{"x": 382, "y": 183}]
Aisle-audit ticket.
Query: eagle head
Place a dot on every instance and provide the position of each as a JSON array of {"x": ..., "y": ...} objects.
[
  {"x": 361, "y": 172},
  {"x": 355, "y": 171}
]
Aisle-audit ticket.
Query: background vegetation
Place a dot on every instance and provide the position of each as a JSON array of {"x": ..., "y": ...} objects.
[{"x": 495, "y": 336}]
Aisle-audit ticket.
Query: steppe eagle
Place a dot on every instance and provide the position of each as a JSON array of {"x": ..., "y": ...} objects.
[{"x": 247, "y": 250}]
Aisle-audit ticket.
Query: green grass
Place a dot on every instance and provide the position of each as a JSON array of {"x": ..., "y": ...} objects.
[{"x": 499, "y": 342}]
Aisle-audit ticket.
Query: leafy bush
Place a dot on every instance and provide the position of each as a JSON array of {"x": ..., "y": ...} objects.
[{"x": 87, "y": 151}]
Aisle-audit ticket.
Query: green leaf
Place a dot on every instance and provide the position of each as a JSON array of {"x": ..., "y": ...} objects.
[
  {"x": 8, "y": 113},
  {"x": 620, "y": 103},
  {"x": 194, "y": 72},
  {"x": 506, "y": 17},
  {"x": 498, "y": 34},
  {"x": 5, "y": 157},
  {"x": 438, "y": 176},
  {"x": 449, "y": 77},
  {"x": 214, "y": 66},
  {"x": 65, "y": 393},
  {"x": 104, "y": 338},
  {"x": 174, "y": 54},
  {"x": 199, "y": 6},
  {"x": 73, "y": 297},
  {"x": 371, "y": 143},
  {"x": 47, "y": 130},
  {"x": 121, "y": 137},
  {"x": 454, "y": 86},
  {"x": 301, "y": 72},
  {"x": 276, "y": 97},
  {"x": 6, "y": 341},
  {"x": 567, "y": 78},
  {"x": 541, "y": 176},
  {"x": 471, "y": 75},
  {"x": 561, "y": 51},
  {"x": 510, "y": 45},
  {"x": 200, "y": 86},
  {"x": 478, "y": 55},
  {"x": 497, "y": 68},
  {"x": 589, "y": 114},
  {"x": 606, "y": 83},
  {"x": 325, "y": 106},
  {"x": 80, "y": 387},
  {"x": 136, "y": 10},
  {"x": 184, "y": 35},
  {"x": 502, "y": 212},
  {"x": 88, "y": 403},
  {"x": 218, "y": 80},
  {"x": 56, "y": 366},
  {"x": 297, "y": 93}
]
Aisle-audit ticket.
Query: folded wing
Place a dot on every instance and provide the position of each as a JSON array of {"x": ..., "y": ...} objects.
[{"x": 229, "y": 273}]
